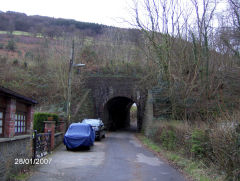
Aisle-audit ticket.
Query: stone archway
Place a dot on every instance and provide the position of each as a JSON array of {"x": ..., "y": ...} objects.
[
  {"x": 116, "y": 114},
  {"x": 113, "y": 98}
]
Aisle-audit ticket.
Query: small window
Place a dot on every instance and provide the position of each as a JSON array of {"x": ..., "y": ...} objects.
[{"x": 20, "y": 123}]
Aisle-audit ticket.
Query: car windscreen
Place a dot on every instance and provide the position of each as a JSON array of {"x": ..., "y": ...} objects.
[{"x": 93, "y": 122}]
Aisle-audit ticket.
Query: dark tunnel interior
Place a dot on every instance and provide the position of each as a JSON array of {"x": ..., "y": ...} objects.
[{"x": 117, "y": 113}]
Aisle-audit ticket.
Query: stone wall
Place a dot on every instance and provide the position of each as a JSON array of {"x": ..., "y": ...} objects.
[
  {"x": 58, "y": 139},
  {"x": 104, "y": 89},
  {"x": 157, "y": 107},
  {"x": 12, "y": 149},
  {"x": 148, "y": 114}
]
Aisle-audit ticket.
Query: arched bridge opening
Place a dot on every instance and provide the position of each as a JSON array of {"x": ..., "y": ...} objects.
[
  {"x": 113, "y": 98},
  {"x": 116, "y": 114}
]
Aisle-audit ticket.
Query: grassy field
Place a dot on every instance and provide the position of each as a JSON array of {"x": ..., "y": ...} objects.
[{"x": 19, "y": 33}]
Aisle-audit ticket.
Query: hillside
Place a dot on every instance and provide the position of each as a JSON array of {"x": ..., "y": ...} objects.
[
  {"x": 35, "y": 63},
  {"x": 52, "y": 27},
  {"x": 56, "y": 27}
]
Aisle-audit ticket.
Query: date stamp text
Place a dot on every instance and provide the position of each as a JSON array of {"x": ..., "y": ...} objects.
[{"x": 37, "y": 161}]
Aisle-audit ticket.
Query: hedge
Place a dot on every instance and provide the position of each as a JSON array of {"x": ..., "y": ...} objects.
[{"x": 40, "y": 117}]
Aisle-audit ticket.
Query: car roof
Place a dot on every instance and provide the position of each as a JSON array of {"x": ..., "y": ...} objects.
[
  {"x": 78, "y": 124},
  {"x": 92, "y": 120}
]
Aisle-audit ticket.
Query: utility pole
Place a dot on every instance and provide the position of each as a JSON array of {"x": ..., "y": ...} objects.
[
  {"x": 69, "y": 86},
  {"x": 69, "y": 93}
]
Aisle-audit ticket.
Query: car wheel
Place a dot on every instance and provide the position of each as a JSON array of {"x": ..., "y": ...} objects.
[
  {"x": 104, "y": 136},
  {"x": 99, "y": 138},
  {"x": 67, "y": 148}
]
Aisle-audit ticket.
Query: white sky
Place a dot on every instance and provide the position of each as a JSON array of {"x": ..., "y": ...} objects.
[{"x": 108, "y": 12}]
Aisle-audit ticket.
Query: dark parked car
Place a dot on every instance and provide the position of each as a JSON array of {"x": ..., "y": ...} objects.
[
  {"x": 97, "y": 126},
  {"x": 79, "y": 135}
]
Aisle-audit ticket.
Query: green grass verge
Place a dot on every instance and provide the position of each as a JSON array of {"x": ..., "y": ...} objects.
[
  {"x": 3, "y": 32},
  {"x": 23, "y": 175},
  {"x": 17, "y": 33},
  {"x": 20, "y": 177},
  {"x": 22, "y": 33},
  {"x": 194, "y": 169}
]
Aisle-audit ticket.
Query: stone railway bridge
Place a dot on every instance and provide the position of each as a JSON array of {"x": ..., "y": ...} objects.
[{"x": 114, "y": 96}]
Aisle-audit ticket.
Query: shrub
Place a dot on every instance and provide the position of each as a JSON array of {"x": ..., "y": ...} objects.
[
  {"x": 11, "y": 45},
  {"x": 3, "y": 59},
  {"x": 25, "y": 64},
  {"x": 216, "y": 144},
  {"x": 39, "y": 119},
  {"x": 15, "y": 61},
  {"x": 151, "y": 132},
  {"x": 226, "y": 151},
  {"x": 1, "y": 46},
  {"x": 168, "y": 138},
  {"x": 198, "y": 142}
]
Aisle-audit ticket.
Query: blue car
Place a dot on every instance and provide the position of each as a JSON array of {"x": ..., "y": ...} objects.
[{"x": 79, "y": 135}]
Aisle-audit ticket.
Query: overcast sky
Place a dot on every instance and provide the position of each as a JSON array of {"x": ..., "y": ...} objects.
[{"x": 108, "y": 12}]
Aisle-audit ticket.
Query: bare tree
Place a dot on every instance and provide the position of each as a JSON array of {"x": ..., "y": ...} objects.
[
  {"x": 230, "y": 28},
  {"x": 204, "y": 16},
  {"x": 160, "y": 25},
  {"x": 164, "y": 24},
  {"x": 181, "y": 60}
]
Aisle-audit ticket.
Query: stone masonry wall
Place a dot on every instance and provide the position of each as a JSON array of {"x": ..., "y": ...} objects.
[
  {"x": 105, "y": 88},
  {"x": 10, "y": 150},
  {"x": 148, "y": 114},
  {"x": 58, "y": 139}
]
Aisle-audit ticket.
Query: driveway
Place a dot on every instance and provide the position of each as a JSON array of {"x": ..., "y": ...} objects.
[{"x": 119, "y": 157}]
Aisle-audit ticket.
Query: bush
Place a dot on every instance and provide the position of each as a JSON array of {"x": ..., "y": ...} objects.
[
  {"x": 226, "y": 152},
  {"x": 1, "y": 46},
  {"x": 198, "y": 142},
  {"x": 15, "y": 61},
  {"x": 151, "y": 132},
  {"x": 3, "y": 59},
  {"x": 39, "y": 119},
  {"x": 168, "y": 138},
  {"x": 216, "y": 145},
  {"x": 11, "y": 45}
]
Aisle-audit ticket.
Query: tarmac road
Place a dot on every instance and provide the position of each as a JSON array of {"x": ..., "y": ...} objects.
[{"x": 118, "y": 157}]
